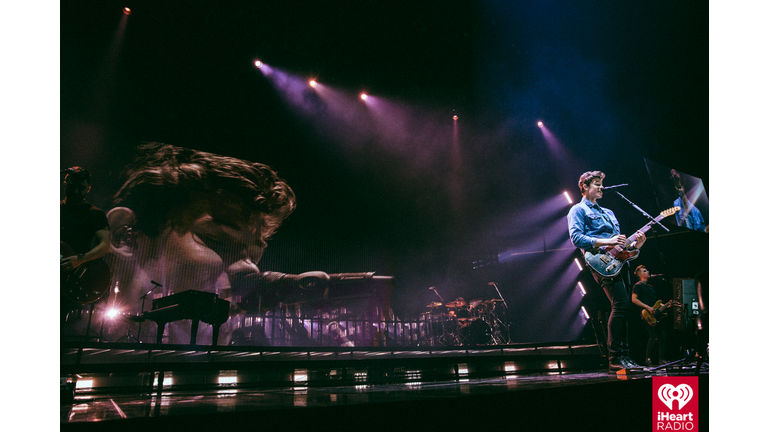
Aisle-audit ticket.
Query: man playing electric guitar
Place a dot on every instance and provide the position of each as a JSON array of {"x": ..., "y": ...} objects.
[
  {"x": 591, "y": 226},
  {"x": 84, "y": 229},
  {"x": 644, "y": 296}
]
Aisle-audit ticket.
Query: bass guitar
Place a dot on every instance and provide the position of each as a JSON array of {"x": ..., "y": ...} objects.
[
  {"x": 659, "y": 312},
  {"x": 86, "y": 283},
  {"x": 607, "y": 261}
]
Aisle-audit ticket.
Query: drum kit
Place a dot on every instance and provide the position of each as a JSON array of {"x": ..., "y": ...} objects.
[{"x": 461, "y": 323}]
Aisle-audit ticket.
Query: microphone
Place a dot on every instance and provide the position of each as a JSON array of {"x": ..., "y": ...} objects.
[
  {"x": 491, "y": 283},
  {"x": 656, "y": 275},
  {"x": 614, "y": 186},
  {"x": 157, "y": 284},
  {"x": 432, "y": 288}
]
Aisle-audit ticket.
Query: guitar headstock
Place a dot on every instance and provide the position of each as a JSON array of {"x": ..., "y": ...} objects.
[{"x": 670, "y": 211}]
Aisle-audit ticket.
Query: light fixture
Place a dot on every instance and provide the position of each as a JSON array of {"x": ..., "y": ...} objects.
[{"x": 578, "y": 264}]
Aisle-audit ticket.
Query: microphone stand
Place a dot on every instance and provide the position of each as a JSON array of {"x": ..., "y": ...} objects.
[
  {"x": 643, "y": 212},
  {"x": 432, "y": 321},
  {"x": 505, "y": 323},
  {"x": 438, "y": 295},
  {"x": 144, "y": 298}
]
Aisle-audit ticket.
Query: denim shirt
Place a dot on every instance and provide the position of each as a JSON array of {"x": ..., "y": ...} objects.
[
  {"x": 694, "y": 220},
  {"x": 588, "y": 222}
]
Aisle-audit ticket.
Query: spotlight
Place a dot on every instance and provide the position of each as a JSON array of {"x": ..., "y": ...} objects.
[
  {"x": 127, "y": 10},
  {"x": 540, "y": 124},
  {"x": 583, "y": 291},
  {"x": 363, "y": 96},
  {"x": 112, "y": 313},
  {"x": 313, "y": 83},
  {"x": 584, "y": 311},
  {"x": 578, "y": 264},
  {"x": 455, "y": 117},
  {"x": 568, "y": 197},
  {"x": 257, "y": 63}
]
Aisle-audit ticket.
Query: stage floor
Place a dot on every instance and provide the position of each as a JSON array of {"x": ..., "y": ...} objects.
[{"x": 576, "y": 400}]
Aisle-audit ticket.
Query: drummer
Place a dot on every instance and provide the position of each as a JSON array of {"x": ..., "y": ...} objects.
[{"x": 459, "y": 308}]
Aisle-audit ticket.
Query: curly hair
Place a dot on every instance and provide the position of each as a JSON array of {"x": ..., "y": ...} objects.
[
  {"x": 164, "y": 178},
  {"x": 587, "y": 178},
  {"x": 77, "y": 173}
]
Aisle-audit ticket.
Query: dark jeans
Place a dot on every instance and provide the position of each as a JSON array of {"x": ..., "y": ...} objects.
[
  {"x": 657, "y": 335},
  {"x": 618, "y": 328}
]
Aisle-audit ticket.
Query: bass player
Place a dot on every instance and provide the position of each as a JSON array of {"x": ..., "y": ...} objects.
[{"x": 644, "y": 296}]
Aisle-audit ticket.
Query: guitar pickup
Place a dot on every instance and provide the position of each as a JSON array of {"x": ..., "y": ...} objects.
[
  {"x": 605, "y": 258},
  {"x": 610, "y": 267}
]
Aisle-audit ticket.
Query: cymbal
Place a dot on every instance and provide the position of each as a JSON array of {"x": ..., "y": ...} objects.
[
  {"x": 455, "y": 304},
  {"x": 434, "y": 305}
]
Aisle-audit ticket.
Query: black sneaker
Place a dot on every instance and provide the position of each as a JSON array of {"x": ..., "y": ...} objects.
[
  {"x": 631, "y": 365},
  {"x": 615, "y": 365}
]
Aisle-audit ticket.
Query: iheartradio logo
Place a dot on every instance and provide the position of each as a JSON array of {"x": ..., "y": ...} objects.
[
  {"x": 669, "y": 394},
  {"x": 671, "y": 416}
]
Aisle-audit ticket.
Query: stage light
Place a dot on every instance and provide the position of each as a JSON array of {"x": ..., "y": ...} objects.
[
  {"x": 167, "y": 380},
  {"x": 540, "y": 124},
  {"x": 300, "y": 375},
  {"x": 455, "y": 117},
  {"x": 84, "y": 384},
  {"x": 257, "y": 63},
  {"x": 227, "y": 380},
  {"x": 463, "y": 370},
  {"x": 581, "y": 287},
  {"x": 313, "y": 83},
  {"x": 584, "y": 311},
  {"x": 578, "y": 264},
  {"x": 568, "y": 197},
  {"x": 112, "y": 313},
  {"x": 127, "y": 11},
  {"x": 363, "y": 96}
]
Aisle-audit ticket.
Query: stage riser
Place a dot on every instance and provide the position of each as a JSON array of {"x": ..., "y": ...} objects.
[{"x": 135, "y": 368}]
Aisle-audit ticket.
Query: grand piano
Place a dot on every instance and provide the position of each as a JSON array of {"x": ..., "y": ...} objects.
[{"x": 193, "y": 305}]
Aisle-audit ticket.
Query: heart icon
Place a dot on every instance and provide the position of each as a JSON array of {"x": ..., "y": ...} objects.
[{"x": 669, "y": 393}]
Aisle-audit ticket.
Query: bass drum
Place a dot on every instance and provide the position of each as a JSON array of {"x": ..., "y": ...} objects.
[{"x": 478, "y": 332}]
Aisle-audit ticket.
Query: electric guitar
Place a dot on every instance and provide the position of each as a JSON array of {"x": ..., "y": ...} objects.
[
  {"x": 607, "y": 261},
  {"x": 658, "y": 312},
  {"x": 86, "y": 283}
]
